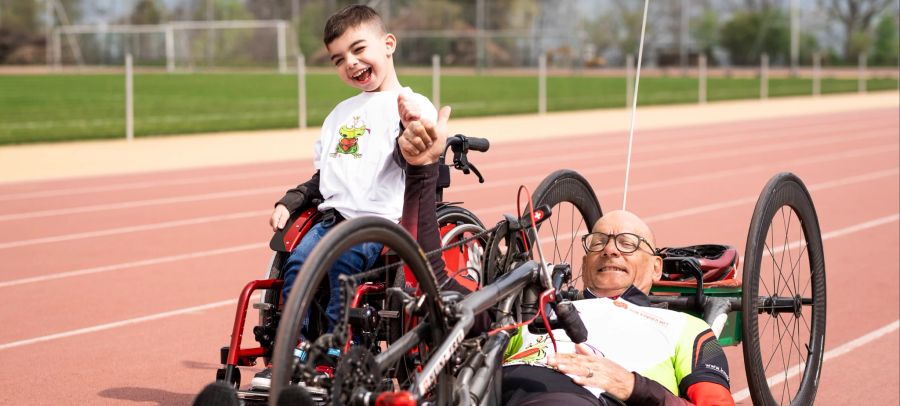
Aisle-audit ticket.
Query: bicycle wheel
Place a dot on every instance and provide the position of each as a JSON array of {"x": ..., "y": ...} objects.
[
  {"x": 784, "y": 296},
  {"x": 457, "y": 223},
  {"x": 361, "y": 366},
  {"x": 575, "y": 209}
]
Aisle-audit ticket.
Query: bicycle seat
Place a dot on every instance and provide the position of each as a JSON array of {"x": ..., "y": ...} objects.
[{"x": 715, "y": 262}]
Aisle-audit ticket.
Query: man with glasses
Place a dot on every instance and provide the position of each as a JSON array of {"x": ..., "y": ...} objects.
[
  {"x": 634, "y": 353},
  {"x": 675, "y": 357}
]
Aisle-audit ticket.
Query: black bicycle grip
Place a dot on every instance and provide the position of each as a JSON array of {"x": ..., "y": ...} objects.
[
  {"x": 567, "y": 316},
  {"x": 479, "y": 144}
]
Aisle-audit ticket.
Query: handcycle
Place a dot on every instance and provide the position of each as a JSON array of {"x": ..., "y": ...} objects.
[
  {"x": 446, "y": 364},
  {"x": 456, "y": 224}
]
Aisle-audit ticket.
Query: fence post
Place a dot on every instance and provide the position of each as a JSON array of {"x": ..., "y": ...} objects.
[
  {"x": 701, "y": 72},
  {"x": 282, "y": 51},
  {"x": 170, "y": 48},
  {"x": 862, "y": 72},
  {"x": 817, "y": 74},
  {"x": 542, "y": 83},
  {"x": 629, "y": 79},
  {"x": 57, "y": 49},
  {"x": 764, "y": 76},
  {"x": 301, "y": 91},
  {"x": 129, "y": 99},
  {"x": 436, "y": 80}
]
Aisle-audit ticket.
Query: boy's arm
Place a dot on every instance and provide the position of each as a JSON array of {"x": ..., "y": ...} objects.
[{"x": 301, "y": 195}]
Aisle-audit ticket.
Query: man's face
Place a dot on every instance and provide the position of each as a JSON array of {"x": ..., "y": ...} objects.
[
  {"x": 609, "y": 272},
  {"x": 362, "y": 57}
]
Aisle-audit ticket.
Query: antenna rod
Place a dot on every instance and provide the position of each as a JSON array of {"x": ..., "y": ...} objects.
[{"x": 637, "y": 82}]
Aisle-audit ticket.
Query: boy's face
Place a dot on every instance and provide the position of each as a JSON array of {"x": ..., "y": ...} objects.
[{"x": 362, "y": 56}]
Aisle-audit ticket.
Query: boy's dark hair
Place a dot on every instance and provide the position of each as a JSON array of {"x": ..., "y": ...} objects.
[{"x": 350, "y": 17}]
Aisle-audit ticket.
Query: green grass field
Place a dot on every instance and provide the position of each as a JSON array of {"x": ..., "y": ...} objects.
[{"x": 36, "y": 108}]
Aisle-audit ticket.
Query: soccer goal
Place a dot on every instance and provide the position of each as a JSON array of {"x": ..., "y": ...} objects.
[{"x": 179, "y": 45}]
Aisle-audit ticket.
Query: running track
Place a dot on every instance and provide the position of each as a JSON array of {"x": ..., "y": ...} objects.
[{"x": 121, "y": 289}]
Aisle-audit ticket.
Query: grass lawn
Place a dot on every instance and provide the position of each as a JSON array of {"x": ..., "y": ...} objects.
[{"x": 35, "y": 108}]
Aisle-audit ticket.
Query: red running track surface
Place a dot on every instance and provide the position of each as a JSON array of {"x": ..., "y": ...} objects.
[{"x": 121, "y": 289}]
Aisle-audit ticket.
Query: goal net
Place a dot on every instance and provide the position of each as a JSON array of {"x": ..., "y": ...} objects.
[{"x": 181, "y": 45}]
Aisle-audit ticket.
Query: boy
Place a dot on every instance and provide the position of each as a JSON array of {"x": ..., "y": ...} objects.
[{"x": 358, "y": 170}]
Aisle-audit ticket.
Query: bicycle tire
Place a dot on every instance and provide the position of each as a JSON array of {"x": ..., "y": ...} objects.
[
  {"x": 314, "y": 271},
  {"x": 571, "y": 198},
  {"x": 783, "y": 198},
  {"x": 462, "y": 217}
]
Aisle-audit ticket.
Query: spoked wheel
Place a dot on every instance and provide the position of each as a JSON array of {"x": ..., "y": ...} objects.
[
  {"x": 784, "y": 296},
  {"x": 381, "y": 359},
  {"x": 456, "y": 224},
  {"x": 268, "y": 302},
  {"x": 575, "y": 209}
]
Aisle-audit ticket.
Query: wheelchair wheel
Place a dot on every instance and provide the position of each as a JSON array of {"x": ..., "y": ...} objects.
[
  {"x": 268, "y": 300},
  {"x": 574, "y": 210},
  {"x": 784, "y": 296},
  {"x": 457, "y": 223},
  {"x": 365, "y": 365}
]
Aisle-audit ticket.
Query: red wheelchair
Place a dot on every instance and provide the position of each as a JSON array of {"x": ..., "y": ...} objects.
[{"x": 375, "y": 303}]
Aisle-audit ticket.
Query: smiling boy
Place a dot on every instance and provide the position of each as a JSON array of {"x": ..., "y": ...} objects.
[{"x": 358, "y": 169}]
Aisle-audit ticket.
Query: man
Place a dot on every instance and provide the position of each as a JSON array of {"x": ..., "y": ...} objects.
[
  {"x": 672, "y": 358},
  {"x": 634, "y": 353}
]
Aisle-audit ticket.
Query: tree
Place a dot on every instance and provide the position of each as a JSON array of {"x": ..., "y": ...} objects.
[
  {"x": 749, "y": 34},
  {"x": 145, "y": 12},
  {"x": 885, "y": 50},
  {"x": 705, "y": 31},
  {"x": 856, "y": 16}
]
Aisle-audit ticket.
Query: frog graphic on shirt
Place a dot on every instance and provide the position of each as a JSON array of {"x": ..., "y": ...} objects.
[{"x": 349, "y": 142}]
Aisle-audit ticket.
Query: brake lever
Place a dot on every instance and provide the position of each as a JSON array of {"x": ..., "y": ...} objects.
[{"x": 477, "y": 173}]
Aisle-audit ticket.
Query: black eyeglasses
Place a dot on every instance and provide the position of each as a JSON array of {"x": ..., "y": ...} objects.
[{"x": 626, "y": 243}]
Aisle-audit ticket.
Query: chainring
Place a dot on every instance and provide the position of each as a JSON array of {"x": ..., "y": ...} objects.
[{"x": 356, "y": 371}]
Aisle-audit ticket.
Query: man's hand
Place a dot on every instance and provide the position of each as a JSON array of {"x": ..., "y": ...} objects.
[
  {"x": 596, "y": 371},
  {"x": 279, "y": 217},
  {"x": 409, "y": 110},
  {"x": 423, "y": 142}
]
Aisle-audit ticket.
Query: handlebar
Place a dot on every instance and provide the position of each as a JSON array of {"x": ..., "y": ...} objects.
[
  {"x": 461, "y": 142},
  {"x": 460, "y": 145}
]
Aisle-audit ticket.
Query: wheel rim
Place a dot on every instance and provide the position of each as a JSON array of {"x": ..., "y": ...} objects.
[
  {"x": 326, "y": 253},
  {"x": 574, "y": 209},
  {"x": 785, "y": 316}
]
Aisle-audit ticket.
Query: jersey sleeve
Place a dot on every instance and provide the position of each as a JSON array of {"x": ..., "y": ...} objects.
[{"x": 699, "y": 359}]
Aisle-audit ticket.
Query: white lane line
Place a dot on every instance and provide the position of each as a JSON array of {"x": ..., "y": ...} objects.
[
  {"x": 837, "y": 233},
  {"x": 613, "y": 151},
  {"x": 117, "y": 324},
  {"x": 725, "y": 173},
  {"x": 142, "y": 203},
  {"x": 680, "y": 159},
  {"x": 123, "y": 230},
  {"x": 133, "y": 264},
  {"x": 830, "y": 354},
  {"x": 143, "y": 185},
  {"x": 752, "y": 199},
  {"x": 609, "y": 168},
  {"x": 660, "y": 217},
  {"x": 658, "y": 135}
]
